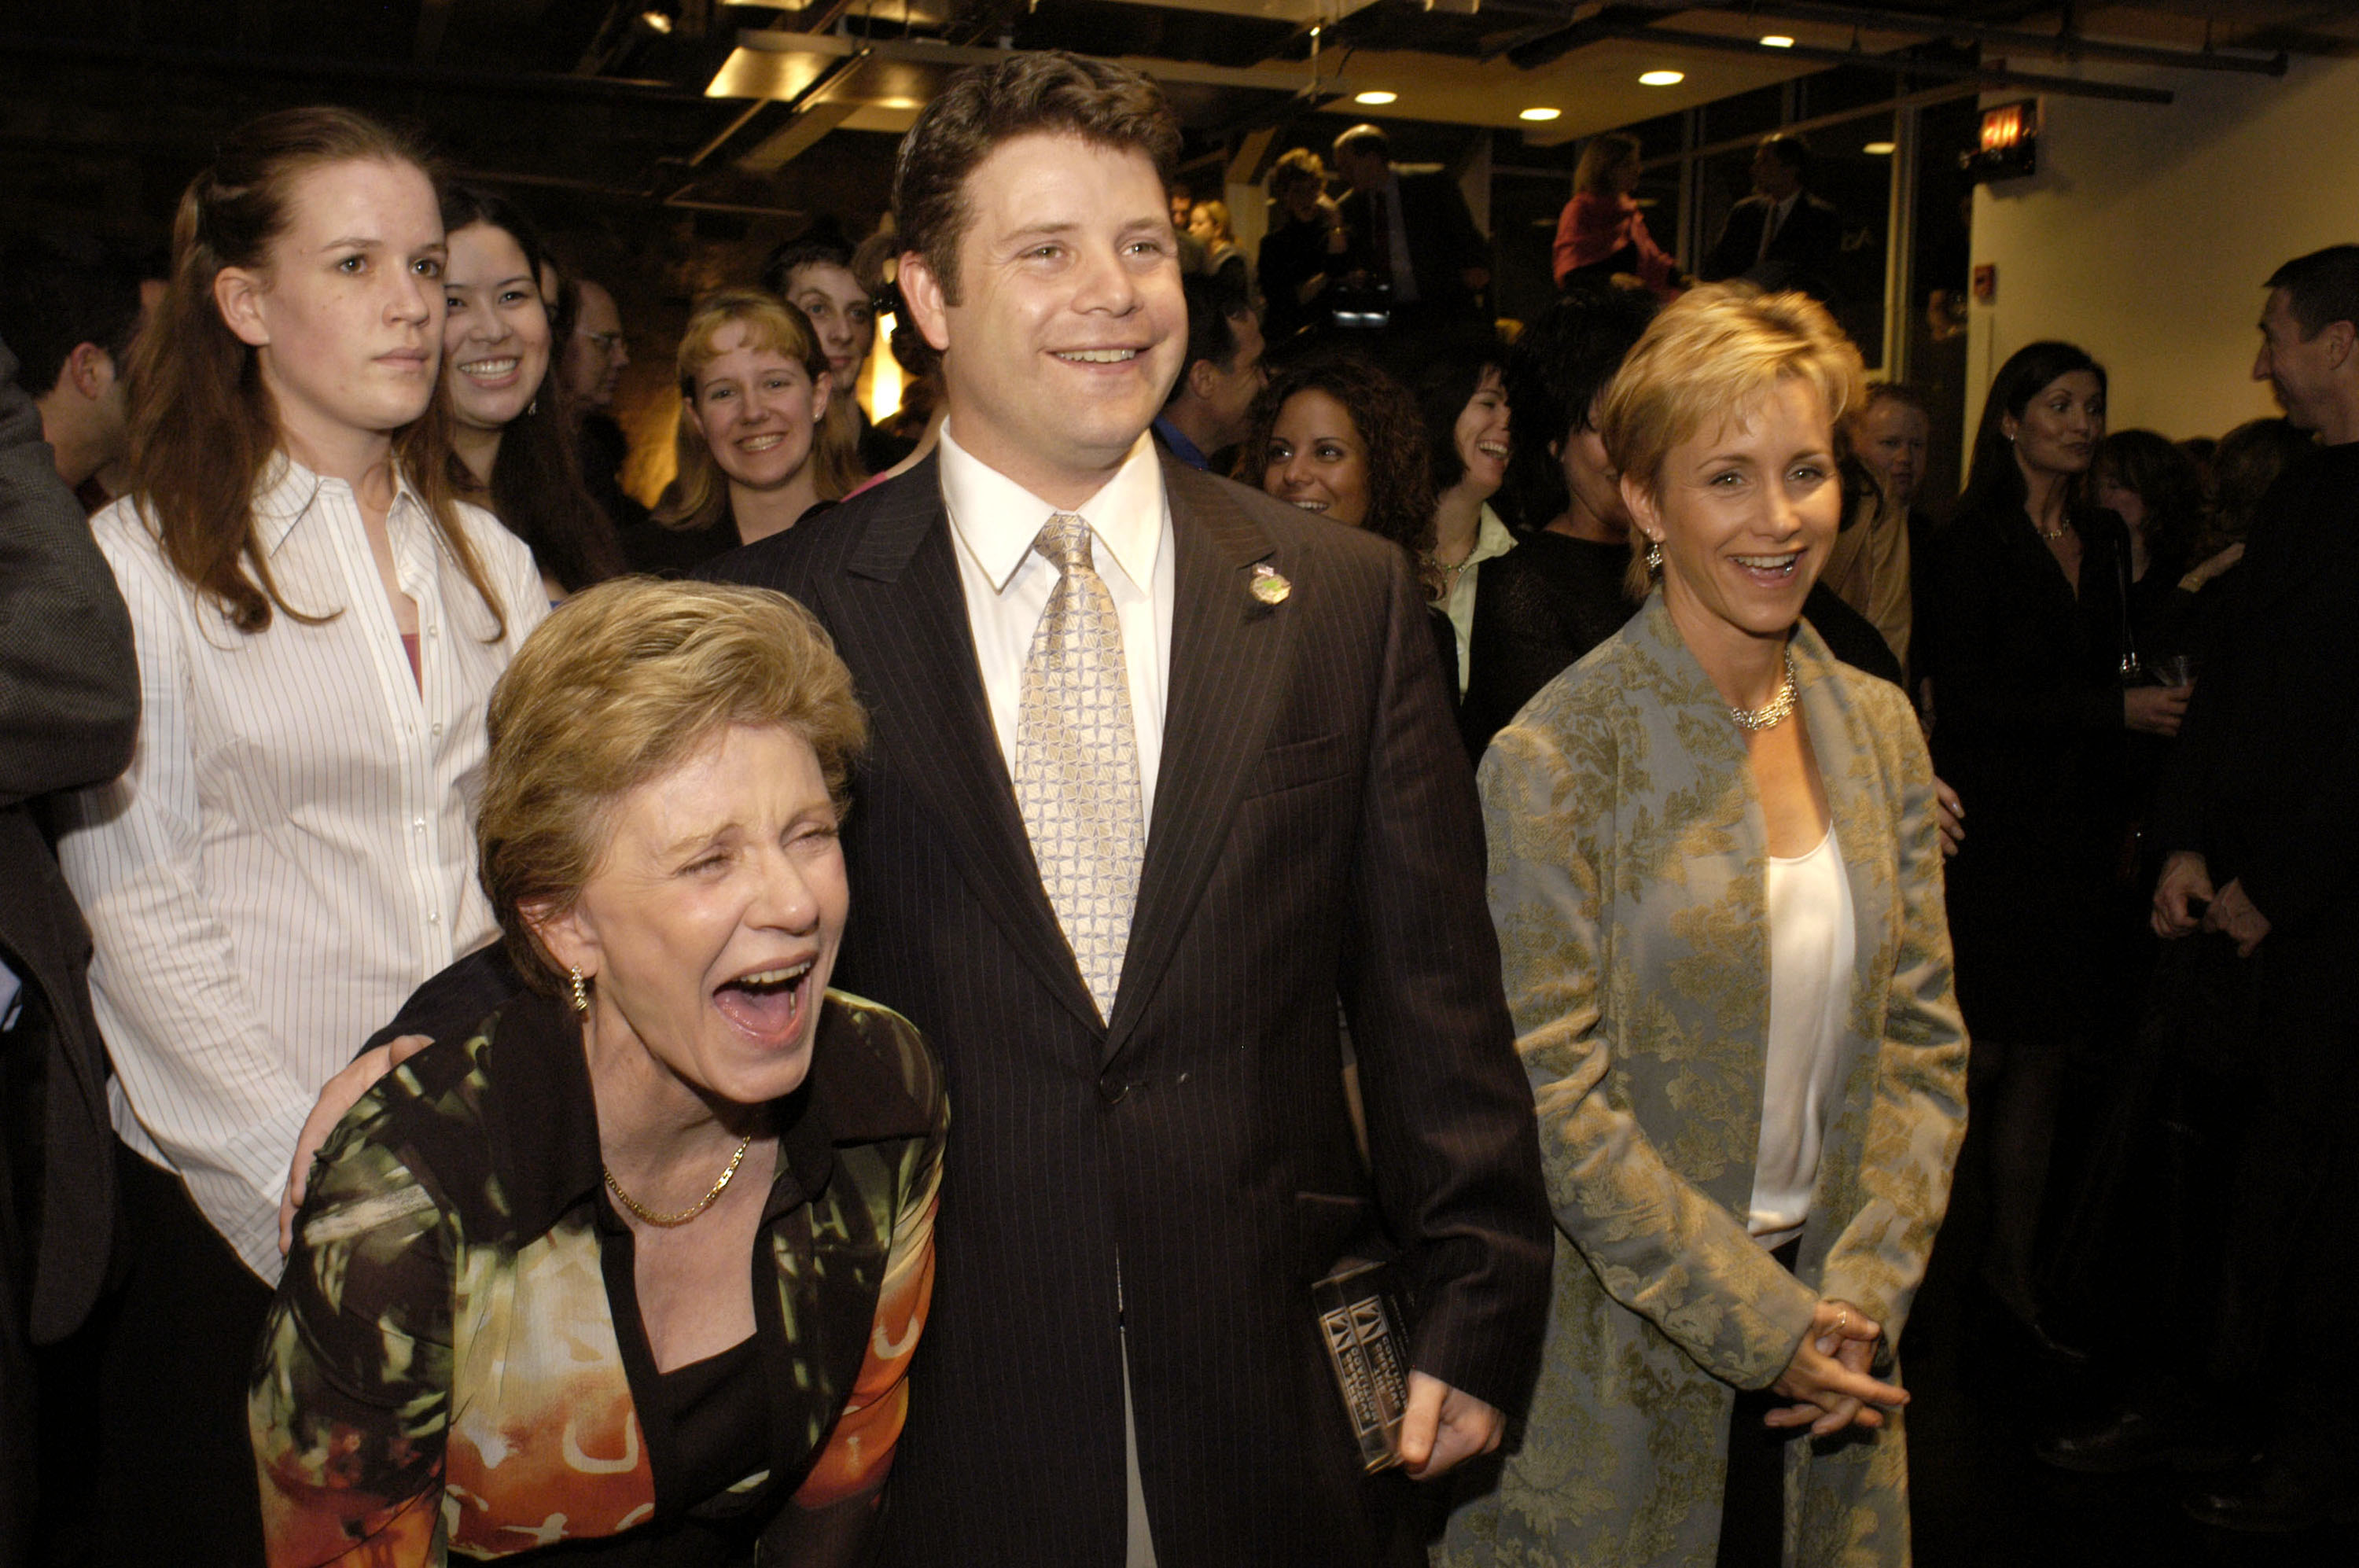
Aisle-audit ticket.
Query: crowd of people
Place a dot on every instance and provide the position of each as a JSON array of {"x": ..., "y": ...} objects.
[{"x": 533, "y": 1024}]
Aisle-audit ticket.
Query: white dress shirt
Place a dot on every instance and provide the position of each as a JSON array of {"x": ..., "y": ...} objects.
[
  {"x": 1811, "y": 948},
  {"x": 291, "y": 851},
  {"x": 1492, "y": 540},
  {"x": 1006, "y": 583}
]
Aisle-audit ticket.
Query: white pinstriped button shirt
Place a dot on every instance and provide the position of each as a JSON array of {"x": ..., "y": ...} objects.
[{"x": 292, "y": 848}]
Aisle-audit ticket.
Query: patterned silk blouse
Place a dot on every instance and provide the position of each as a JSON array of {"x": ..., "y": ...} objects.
[{"x": 455, "y": 1364}]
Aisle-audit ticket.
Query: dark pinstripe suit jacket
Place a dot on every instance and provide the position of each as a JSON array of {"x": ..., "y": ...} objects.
[{"x": 1315, "y": 834}]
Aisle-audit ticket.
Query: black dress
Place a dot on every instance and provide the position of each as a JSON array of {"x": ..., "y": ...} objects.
[
  {"x": 649, "y": 547},
  {"x": 1541, "y": 606},
  {"x": 2028, "y": 729}
]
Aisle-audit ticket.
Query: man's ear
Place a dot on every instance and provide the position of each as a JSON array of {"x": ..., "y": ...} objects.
[
  {"x": 1203, "y": 376},
  {"x": 89, "y": 370},
  {"x": 928, "y": 303},
  {"x": 237, "y": 294},
  {"x": 2341, "y": 340}
]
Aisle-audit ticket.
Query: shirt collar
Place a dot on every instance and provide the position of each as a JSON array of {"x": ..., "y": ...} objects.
[
  {"x": 287, "y": 490},
  {"x": 996, "y": 519},
  {"x": 1491, "y": 538},
  {"x": 1182, "y": 448}
]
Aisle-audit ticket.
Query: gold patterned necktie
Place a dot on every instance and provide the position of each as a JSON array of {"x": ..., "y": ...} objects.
[{"x": 1077, "y": 762}]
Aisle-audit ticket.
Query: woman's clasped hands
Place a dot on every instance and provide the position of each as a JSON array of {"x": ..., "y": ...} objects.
[{"x": 1827, "y": 1379}]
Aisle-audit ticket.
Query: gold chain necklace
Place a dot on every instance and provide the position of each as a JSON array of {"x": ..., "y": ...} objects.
[
  {"x": 1449, "y": 574},
  {"x": 1772, "y": 713},
  {"x": 2053, "y": 535},
  {"x": 682, "y": 1218}
]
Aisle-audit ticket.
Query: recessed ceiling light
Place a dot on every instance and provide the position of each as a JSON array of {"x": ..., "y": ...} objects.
[
  {"x": 1881, "y": 149},
  {"x": 1374, "y": 97},
  {"x": 656, "y": 21},
  {"x": 1539, "y": 113},
  {"x": 1777, "y": 40},
  {"x": 1662, "y": 78}
]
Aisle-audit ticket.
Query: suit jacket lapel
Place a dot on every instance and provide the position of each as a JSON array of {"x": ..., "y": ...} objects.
[
  {"x": 903, "y": 625},
  {"x": 1225, "y": 671}
]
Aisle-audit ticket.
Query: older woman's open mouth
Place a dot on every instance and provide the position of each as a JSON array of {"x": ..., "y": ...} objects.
[{"x": 767, "y": 1003}]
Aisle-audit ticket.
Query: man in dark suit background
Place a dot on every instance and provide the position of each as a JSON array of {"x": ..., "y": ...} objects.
[
  {"x": 68, "y": 713},
  {"x": 2256, "y": 812},
  {"x": 1147, "y": 1174},
  {"x": 1781, "y": 236},
  {"x": 1414, "y": 233}
]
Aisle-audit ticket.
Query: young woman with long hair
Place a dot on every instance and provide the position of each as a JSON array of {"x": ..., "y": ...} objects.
[
  {"x": 1461, "y": 394},
  {"x": 757, "y": 449},
  {"x": 320, "y": 621},
  {"x": 512, "y": 423}
]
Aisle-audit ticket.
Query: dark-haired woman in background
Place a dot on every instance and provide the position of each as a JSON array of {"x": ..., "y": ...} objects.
[
  {"x": 2026, "y": 656},
  {"x": 1461, "y": 395},
  {"x": 1335, "y": 435},
  {"x": 757, "y": 449},
  {"x": 512, "y": 435},
  {"x": 320, "y": 621},
  {"x": 2156, "y": 489},
  {"x": 1562, "y": 591},
  {"x": 2244, "y": 463}
]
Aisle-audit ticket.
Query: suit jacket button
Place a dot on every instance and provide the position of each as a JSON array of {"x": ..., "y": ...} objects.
[{"x": 1112, "y": 1091}]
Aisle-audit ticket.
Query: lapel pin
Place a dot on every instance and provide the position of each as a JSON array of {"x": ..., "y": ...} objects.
[{"x": 1267, "y": 585}]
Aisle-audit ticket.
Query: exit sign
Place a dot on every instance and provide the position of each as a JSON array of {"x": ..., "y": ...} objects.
[{"x": 2008, "y": 147}]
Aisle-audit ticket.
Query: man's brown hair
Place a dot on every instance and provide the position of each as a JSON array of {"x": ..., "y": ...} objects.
[{"x": 984, "y": 106}]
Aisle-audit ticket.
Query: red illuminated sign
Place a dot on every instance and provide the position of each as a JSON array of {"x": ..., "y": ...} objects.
[{"x": 2009, "y": 142}]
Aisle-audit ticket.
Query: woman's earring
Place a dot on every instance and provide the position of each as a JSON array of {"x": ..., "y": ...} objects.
[
  {"x": 581, "y": 993},
  {"x": 1654, "y": 553},
  {"x": 533, "y": 406}
]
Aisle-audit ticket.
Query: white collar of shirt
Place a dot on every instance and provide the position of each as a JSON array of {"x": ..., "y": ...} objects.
[
  {"x": 996, "y": 519},
  {"x": 287, "y": 491},
  {"x": 1006, "y": 583},
  {"x": 1781, "y": 211}
]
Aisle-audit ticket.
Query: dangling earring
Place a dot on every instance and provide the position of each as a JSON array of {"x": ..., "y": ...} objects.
[
  {"x": 532, "y": 408},
  {"x": 581, "y": 993},
  {"x": 1654, "y": 554}
]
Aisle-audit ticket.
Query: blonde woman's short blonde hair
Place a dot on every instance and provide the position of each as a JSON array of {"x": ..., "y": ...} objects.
[
  {"x": 624, "y": 681},
  {"x": 1707, "y": 357}
]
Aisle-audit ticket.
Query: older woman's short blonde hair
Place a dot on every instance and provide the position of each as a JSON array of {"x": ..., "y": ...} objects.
[
  {"x": 1710, "y": 355},
  {"x": 622, "y": 684}
]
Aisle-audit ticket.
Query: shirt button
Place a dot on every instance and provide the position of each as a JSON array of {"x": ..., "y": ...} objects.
[
  {"x": 438, "y": 732},
  {"x": 433, "y": 918},
  {"x": 418, "y": 823},
  {"x": 434, "y": 631}
]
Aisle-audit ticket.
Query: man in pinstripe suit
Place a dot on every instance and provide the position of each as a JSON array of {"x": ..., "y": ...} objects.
[{"x": 1137, "y": 1198}]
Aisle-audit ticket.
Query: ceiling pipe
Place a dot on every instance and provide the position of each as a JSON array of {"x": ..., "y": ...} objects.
[
  {"x": 2067, "y": 45},
  {"x": 1532, "y": 53},
  {"x": 532, "y": 84}
]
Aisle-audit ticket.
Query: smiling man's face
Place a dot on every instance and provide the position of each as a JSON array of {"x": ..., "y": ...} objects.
[{"x": 1069, "y": 324}]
